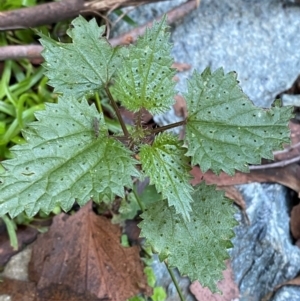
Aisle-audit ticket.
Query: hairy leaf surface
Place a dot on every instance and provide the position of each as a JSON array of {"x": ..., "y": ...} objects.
[
  {"x": 197, "y": 247},
  {"x": 225, "y": 131},
  {"x": 164, "y": 162},
  {"x": 145, "y": 80},
  {"x": 64, "y": 159},
  {"x": 83, "y": 66}
]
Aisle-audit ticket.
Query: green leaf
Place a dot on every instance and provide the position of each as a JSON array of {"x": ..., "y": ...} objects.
[
  {"x": 225, "y": 131},
  {"x": 11, "y": 228},
  {"x": 197, "y": 248},
  {"x": 164, "y": 162},
  {"x": 159, "y": 294},
  {"x": 83, "y": 66},
  {"x": 145, "y": 80},
  {"x": 136, "y": 298},
  {"x": 148, "y": 271},
  {"x": 64, "y": 160}
]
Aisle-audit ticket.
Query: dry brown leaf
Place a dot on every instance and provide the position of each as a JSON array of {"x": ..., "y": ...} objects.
[
  {"x": 180, "y": 67},
  {"x": 295, "y": 222},
  {"x": 180, "y": 106},
  {"x": 288, "y": 176},
  {"x": 232, "y": 193},
  {"x": 227, "y": 286},
  {"x": 18, "y": 290},
  {"x": 81, "y": 256}
]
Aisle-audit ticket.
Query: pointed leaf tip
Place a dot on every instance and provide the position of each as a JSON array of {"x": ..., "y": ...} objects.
[
  {"x": 164, "y": 162},
  {"x": 146, "y": 77},
  {"x": 199, "y": 247},
  {"x": 83, "y": 66}
]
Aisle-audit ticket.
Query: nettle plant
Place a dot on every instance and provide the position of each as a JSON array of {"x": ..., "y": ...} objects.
[{"x": 71, "y": 156}]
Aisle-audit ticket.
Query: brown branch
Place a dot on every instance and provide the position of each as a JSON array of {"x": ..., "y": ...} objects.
[
  {"x": 106, "y": 5},
  {"x": 172, "y": 16},
  {"x": 53, "y": 12},
  {"x": 34, "y": 51},
  {"x": 20, "y": 51},
  {"x": 286, "y": 150},
  {"x": 282, "y": 163},
  {"x": 40, "y": 14}
]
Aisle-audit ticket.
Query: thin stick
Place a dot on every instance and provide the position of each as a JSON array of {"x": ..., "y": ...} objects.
[
  {"x": 286, "y": 150},
  {"x": 34, "y": 51},
  {"x": 276, "y": 164},
  {"x": 15, "y": 52},
  {"x": 172, "y": 16},
  {"x": 41, "y": 14},
  {"x": 105, "y": 5},
  {"x": 116, "y": 109}
]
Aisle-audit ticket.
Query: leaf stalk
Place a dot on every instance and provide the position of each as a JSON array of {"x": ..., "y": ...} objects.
[
  {"x": 137, "y": 197},
  {"x": 174, "y": 281},
  {"x": 169, "y": 126},
  {"x": 116, "y": 109},
  {"x": 98, "y": 102}
]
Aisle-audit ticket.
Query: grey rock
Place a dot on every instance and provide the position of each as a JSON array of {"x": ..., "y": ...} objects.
[
  {"x": 264, "y": 255},
  {"x": 17, "y": 267},
  {"x": 257, "y": 39}
]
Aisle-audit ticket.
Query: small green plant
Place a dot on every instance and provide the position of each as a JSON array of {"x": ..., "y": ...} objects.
[{"x": 71, "y": 156}]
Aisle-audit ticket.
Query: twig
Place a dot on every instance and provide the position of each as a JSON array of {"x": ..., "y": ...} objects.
[
  {"x": 20, "y": 51},
  {"x": 105, "y": 5},
  {"x": 104, "y": 17},
  {"x": 123, "y": 15},
  {"x": 276, "y": 164},
  {"x": 40, "y": 14},
  {"x": 172, "y": 16},
  {"x": 53, "y": 12},
  {"x": 34, "y": 51},
  {"x": 286, "y": 150}
]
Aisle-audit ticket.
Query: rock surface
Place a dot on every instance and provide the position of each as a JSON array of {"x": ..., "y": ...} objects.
[
  {"x": 264, "y": 255},
  {"x": 257, "y": 39}
]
